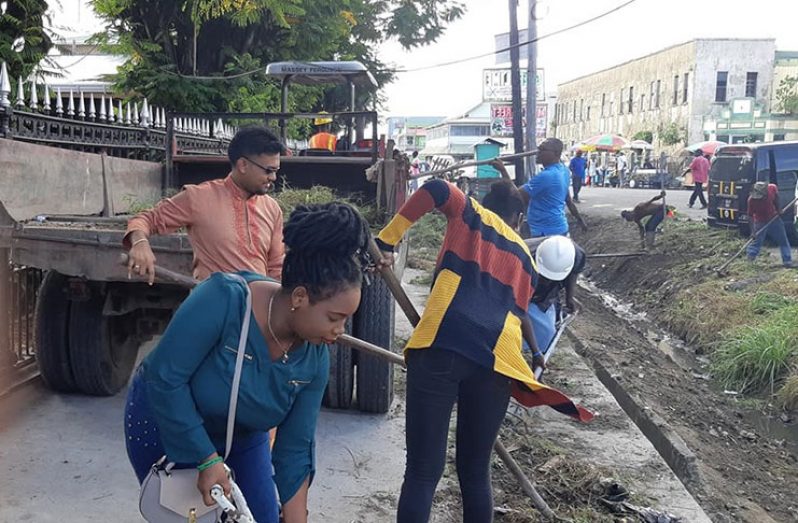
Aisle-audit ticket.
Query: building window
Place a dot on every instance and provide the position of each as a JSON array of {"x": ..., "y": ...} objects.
[
  {"x": 659, "y": 89},
  {"x": 684, "y": 90},
  {"x": 676, "y": 89},
  {"x": 471, "y": 130},
  {"x": 581, "y": 109},
  {"x": 750, "y": 85},
  {"x": 574, "y": 112},
  {"x": 631, "y": 99},
  {"x": 721, "y": 83},
  {"x": 779, "y": 137},
  {"x": 620, "y": 100},
  {"x": 603, "y": 104},
  {"x": 642, "y": 103},
  {"x": 588, "y": 113},
  {"x": 651, "y": 96}
]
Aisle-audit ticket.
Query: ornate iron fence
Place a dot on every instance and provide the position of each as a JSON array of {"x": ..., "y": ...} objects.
[{"x": 82, "y": 122}]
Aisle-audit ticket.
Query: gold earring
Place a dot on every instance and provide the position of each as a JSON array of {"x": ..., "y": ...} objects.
[{"x": 293, "y": 309}]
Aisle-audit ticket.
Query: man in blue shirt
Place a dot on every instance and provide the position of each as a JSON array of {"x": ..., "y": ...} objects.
[
  {"x": 547, "y": 193},
  {"x": 577, "y": 167}
]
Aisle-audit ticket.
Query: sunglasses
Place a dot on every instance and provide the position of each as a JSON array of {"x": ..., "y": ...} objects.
[{"x": 268, "y": 170}]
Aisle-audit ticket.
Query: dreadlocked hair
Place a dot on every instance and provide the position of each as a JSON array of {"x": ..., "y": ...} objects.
[{"x": 326, "y": 249}]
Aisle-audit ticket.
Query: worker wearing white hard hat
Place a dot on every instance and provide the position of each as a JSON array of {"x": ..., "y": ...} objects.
[{"x": 558, "y": 262}]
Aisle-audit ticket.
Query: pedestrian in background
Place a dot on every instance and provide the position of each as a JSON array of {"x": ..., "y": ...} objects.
[
  {"x": 620, "y": 168},
  {"x": 699, "y": 168},
  {"x": 763, "y": 206},
  {"x": 577, "y": 166}
]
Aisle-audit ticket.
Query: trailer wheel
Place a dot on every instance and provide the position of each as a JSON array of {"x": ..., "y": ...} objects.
[
  {"x": 51, "y": 333},
  {"x": 374, "y": 323},
  {"x": 342, "y": 380},
  {"x": 104, "y": 348}
]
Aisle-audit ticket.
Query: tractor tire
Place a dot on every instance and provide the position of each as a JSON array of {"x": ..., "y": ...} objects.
[
  {"x": 104, "y": 348},
  {"x": 51, "y": 333},
  {"x": 342, "y": 378},
  {"x": 374, "y": 323}
]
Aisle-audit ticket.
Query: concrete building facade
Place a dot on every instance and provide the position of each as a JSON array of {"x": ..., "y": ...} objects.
[{"x": 670, "y": 93}]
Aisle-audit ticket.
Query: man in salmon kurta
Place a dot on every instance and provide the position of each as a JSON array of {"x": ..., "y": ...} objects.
[{"x": 232, "y": 223}]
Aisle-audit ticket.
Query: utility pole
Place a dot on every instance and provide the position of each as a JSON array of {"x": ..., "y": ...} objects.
[
  {"x": 515, "y": 81},
  {"x": 531, "y": 87}
]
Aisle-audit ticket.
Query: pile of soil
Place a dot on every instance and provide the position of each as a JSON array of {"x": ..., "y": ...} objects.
[{"x": 742, "y": 473}]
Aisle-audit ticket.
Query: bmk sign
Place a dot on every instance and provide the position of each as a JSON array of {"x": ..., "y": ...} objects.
[{"x": 497, "y": 86}]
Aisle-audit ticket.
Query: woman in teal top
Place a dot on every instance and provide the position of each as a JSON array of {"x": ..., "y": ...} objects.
[{"x": 178, "y": 401}]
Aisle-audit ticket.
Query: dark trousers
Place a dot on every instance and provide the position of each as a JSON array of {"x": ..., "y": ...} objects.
[
  {"x": 698, "y": 192},
  {"x": 653, "y": 222},
  {"x": 436, "y": 379},
  {"x": 250, "y": 456},
  {"x": 577, "y": 185}
]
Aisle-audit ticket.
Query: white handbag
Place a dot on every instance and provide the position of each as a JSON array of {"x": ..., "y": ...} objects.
[{"x": 170, "y": 495}]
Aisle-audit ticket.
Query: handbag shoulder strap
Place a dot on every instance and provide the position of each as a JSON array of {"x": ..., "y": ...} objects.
[{"x": 242, "y": 343}]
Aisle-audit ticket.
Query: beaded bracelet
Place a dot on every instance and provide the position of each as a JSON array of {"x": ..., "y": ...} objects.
[{"x": 208, "y": 464}]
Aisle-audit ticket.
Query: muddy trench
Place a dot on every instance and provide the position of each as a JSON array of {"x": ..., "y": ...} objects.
[{"x": 738, "y": 459}]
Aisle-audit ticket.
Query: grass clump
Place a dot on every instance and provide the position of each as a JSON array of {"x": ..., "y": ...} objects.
[
  {"x": 787, "y": 397},
  {"x": 289, "y": 199},
  {"x": 767, "y": 302},
  {"x": 426, "y": 237},
  {"x": 751, "y": 358}
]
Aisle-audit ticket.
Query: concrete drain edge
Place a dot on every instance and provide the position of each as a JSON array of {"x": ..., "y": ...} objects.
[{"x": 668, "y": 443}]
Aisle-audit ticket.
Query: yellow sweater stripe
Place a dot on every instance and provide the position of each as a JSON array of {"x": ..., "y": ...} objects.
[
  {"x": 393, "y": 232},
  {"x": 446, "y": 284},
  {"x": 507, "y": 351}
]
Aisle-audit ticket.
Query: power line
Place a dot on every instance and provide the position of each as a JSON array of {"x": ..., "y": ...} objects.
[{"x": 520, "y": 44}]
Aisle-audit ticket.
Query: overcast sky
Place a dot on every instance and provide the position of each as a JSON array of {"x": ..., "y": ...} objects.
[{"x": 643, "y": 27}]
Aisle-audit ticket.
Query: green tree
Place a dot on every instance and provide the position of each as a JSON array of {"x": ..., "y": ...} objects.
[
  {"x": 174, "y": 45},
  {"x": 23, "y": 39},
  {"x": 671, "y": 134},
  {"x": 646, "y": 136},
  {"x": 787, "y": 95}
]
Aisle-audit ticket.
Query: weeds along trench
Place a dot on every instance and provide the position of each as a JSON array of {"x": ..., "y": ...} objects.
[{"x": 745, "y": 323}]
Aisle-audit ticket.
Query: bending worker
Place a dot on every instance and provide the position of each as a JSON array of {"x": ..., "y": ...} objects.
[
  {"x": 558, "y": 261},
  {"x": 467, "y": 346},
  {"x": 656, "y": 211}
]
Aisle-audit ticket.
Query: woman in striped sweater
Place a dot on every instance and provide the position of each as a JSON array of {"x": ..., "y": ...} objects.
[{"x": 467, "y": 346}]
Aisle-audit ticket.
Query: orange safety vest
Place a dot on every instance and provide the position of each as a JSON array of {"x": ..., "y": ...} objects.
[{"x": 322, "y": 141}]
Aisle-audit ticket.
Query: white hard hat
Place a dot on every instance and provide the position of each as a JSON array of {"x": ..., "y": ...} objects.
[{"x": 555, "y": 257}]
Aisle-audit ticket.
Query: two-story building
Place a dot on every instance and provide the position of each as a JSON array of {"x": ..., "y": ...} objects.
[{"x": 676, "y": 94}]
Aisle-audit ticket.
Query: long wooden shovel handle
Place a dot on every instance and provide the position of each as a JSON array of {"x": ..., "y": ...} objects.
[{"x": 394, "y": 285}]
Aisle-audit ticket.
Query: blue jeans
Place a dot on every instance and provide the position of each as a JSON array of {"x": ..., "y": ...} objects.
[
  {"x": 250, "y": 458},
  {"x": 436, "y": 379},
  {"x": 777, "y": 233}
]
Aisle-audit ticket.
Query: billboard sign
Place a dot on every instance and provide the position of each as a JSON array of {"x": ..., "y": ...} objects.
[
  {"x": 501, "y": 120},
  {"x": 497, "y": 87}
]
